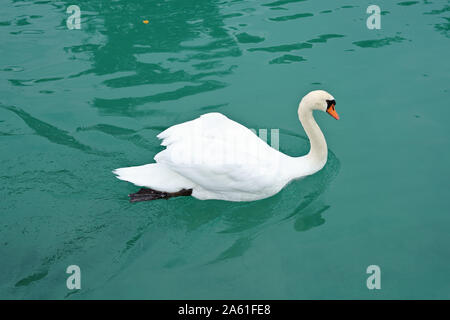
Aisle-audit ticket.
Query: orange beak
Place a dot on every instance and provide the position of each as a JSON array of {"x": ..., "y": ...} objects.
[{"x": 332, "y": 111}]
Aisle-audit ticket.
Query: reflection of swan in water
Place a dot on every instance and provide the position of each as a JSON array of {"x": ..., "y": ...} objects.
[{"x": 213, "y": 157}]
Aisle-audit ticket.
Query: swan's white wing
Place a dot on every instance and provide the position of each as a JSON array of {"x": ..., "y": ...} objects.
[{"x": 221, "y": 156}]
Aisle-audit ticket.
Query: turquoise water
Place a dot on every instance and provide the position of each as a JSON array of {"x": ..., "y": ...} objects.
[{"x": 75, "y": 104}]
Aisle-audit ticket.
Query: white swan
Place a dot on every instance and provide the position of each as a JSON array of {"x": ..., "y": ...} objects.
[{"x": 213, "y": 157}]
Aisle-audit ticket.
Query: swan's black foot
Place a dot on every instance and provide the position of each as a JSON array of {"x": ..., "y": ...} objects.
[{"x": 150, "y": 194}]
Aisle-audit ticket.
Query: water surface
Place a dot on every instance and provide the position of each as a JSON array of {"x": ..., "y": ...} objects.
[{"x": 75, "y": 104}]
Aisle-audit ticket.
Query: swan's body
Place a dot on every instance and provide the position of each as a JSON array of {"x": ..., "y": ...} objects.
[{"x": 218, "y": 158}]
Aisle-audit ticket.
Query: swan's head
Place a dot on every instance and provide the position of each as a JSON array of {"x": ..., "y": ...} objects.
[{"x": 319, "y": 100}]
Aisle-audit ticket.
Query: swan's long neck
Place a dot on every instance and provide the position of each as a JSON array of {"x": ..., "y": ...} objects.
[{"x": 318, "y": 153}]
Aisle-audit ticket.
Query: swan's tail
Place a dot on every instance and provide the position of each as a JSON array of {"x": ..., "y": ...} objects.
[{"x": 155, "y": 176}]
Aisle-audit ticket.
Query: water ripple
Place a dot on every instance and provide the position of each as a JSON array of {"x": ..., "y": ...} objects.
[
  {"x": 281, "y": 2},
  {"x": 284, "y": 47},
  {"x": 128, "y": 105},
  {"x": 378, "y": 43},
  {"x": 244, "y": 37},
  {"x": 407, "y": 3},
  {"x": 287, "y": 58},
  {"x": 50, "y": 132},
  {"x": 292, "y": 17}
]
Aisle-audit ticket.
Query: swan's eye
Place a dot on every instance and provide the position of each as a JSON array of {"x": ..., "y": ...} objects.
[{"x": 331, "y": 104}]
